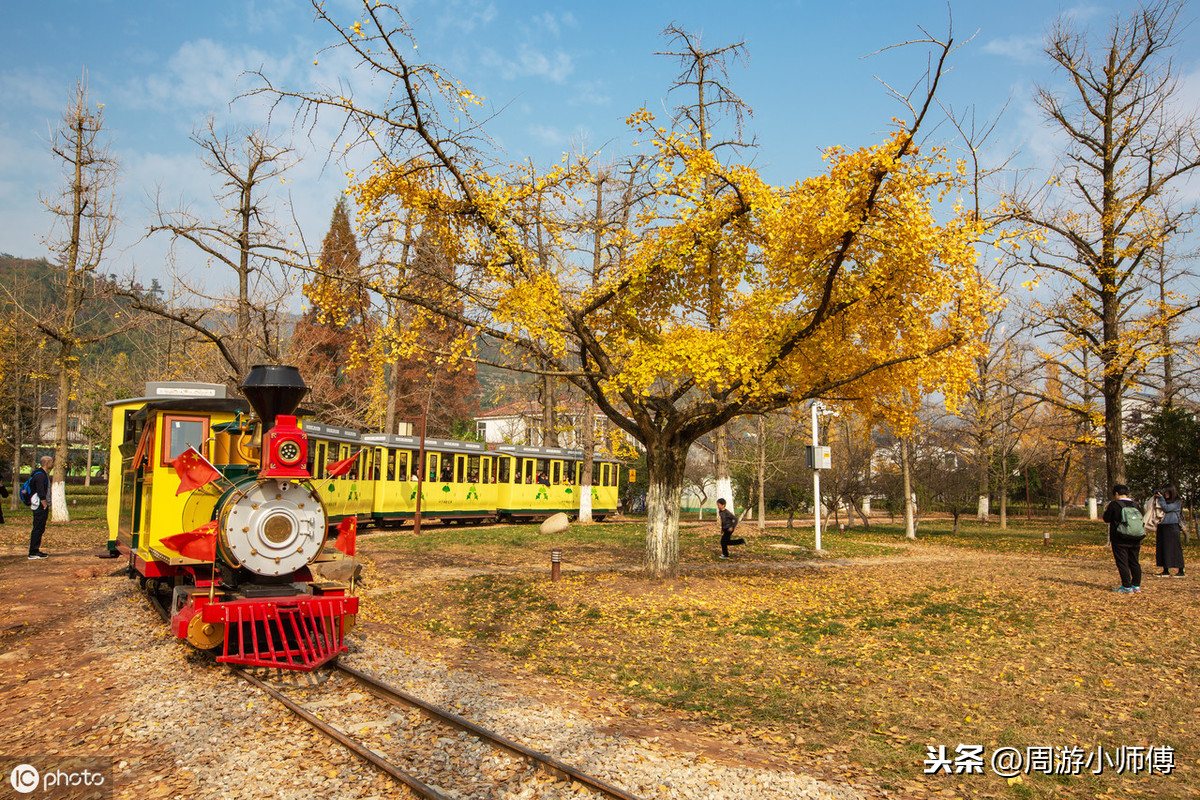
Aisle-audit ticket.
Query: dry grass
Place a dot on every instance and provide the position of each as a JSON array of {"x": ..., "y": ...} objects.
[{"x": 855, "y": 665}]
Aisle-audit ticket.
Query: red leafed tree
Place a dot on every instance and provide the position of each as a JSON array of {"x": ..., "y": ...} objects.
[
  {"x": 329, "y": 343},
  {"x": 422, "y": 379}
]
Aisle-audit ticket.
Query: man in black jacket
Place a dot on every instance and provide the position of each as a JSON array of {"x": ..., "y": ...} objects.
[
  {"x": 728, "y": 523},
  {"x": 1126, "y": 549},
  {"x": 40, "y": 504}
]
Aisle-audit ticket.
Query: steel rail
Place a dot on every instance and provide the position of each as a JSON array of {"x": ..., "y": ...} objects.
[
  {"x": 552, "y": 765},
  {"x": 346, "y": 741}
]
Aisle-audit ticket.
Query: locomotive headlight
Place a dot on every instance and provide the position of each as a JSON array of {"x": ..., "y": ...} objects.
[
  {"x": 289, "y": 452},
  {"x": 272, "y": 527}
]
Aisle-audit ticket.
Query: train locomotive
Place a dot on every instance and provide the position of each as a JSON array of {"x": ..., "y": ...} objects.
[
  {"x": 239, "y": 514},
  {"x": 217, "y": 514}
]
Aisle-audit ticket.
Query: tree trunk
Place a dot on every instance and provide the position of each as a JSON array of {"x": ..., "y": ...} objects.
[
  {"x": 762, "y": 472},
  {"x": 724, "y": 478},
  {"x": 1114, "y": 452},
  {"x": 665, "y": 464},
  {"x": 549, "y": 413},
  {"x": 17, "y": 441},
  {"x": 58, "y": 490},
  {"x": 588, "y": 432},
  {"x": 1004, "y": 503},
  {"x": 910, "y": 530}
]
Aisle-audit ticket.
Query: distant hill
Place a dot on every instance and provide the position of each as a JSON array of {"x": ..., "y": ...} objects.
[{"x": 26, "y": 278}]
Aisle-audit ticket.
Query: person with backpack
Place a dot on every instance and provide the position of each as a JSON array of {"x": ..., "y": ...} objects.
[
  {"x": 39, "y": 502},
  {"x": 728, "y": 523},
  {"x": 1126, "y": 529}
]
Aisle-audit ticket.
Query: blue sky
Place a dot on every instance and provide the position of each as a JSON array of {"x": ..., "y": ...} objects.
[{"x": 560, "y": 76}]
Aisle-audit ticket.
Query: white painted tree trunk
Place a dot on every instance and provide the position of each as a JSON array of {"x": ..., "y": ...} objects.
[
  {"x": 585, "y": 504},
  {"x": 58, "y": 502},
  {"x": 910, "y": 529},
  {"x": 724, "y": 480},
  {"x": 984, "y": 507},
  {"x": 662, "y": 511}
]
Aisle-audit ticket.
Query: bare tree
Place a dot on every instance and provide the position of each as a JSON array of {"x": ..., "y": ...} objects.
[
  {"x": 253, "y": 247},
  {"x": 1107, "y": 207},
  {"x": 84, "y": 222}
]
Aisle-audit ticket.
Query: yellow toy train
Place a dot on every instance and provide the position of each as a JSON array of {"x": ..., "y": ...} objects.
[{"x": 231, "y": 510}]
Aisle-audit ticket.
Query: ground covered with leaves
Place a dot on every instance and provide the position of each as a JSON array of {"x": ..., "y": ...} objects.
[{"x": 875, "y": 657}]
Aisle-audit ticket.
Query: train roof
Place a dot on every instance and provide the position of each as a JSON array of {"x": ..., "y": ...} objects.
[
  {"x": 331, "y": 431},
  {"x": 177, "y": 390},
  {"x": 528, "y": 451},
  {"x": 414, "y": 443}
]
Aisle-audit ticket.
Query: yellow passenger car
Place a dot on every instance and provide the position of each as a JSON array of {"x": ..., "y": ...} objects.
[
  {"x": 535, "y": 482},
  {"x": 457, "y": 480}
]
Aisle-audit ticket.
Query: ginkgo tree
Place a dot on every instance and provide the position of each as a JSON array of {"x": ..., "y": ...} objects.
[{"x": 845, "y": 285}]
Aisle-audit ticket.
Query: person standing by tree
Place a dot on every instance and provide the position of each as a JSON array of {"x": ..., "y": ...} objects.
[
  {"x": 1168, "y": 546},
  {"x": 1126, "y": 548},
  {"x": 728, "y": 523},
  {"x": 39, "y": 503}
]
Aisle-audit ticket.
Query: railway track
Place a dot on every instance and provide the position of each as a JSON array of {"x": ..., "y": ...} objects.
[{"x": 435, "y": 753}]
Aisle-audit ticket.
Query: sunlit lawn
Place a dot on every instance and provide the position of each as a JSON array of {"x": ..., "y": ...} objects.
[{"x": 869, "y": 654}]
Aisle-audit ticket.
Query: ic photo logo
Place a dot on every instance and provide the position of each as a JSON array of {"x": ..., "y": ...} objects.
[{"x": 24, "y": 778}]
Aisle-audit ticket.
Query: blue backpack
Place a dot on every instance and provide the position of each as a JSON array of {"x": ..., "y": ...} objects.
[{"x": 26, "y": 491}]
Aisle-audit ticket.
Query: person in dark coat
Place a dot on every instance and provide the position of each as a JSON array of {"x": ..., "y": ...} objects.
[
  {"x": 40, "y": 505},
  {"x": 728, "y": 523},
  {"x": 1168, "y": 541},
  {"x": 1126, "y": 549}
]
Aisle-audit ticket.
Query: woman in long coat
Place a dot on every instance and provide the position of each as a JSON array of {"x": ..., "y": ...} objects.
[{"x": 1168, "y": 544}]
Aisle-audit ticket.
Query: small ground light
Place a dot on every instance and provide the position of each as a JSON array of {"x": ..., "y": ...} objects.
[{"x": 555, "y": 563}]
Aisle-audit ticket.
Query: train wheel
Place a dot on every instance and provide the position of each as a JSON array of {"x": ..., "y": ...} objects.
[{"x": 205, "y": 635}]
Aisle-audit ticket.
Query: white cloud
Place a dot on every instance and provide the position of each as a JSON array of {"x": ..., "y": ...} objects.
[
  {"x": 1024, "y": 49},
  {"x": 529, "y": 62}
]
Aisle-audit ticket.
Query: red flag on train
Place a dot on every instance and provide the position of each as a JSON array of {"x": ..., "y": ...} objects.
[
  {"x": 347, "y": 532},
  {"x": 199, "y": 544},
  {"x": 193, "y": 470},
  {"x": 342, "y": 467}
]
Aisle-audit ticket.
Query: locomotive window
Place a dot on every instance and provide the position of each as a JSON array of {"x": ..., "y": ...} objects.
[
  {"x": 182, "y": 432},
  {"x": 556, "y": 472},
  {"x": 518, "y": 470},
  {"x": 596, "y": 473},
  {"x": 485, "y": 474},
  {"x": 432, "y": 460},
  {"x": 132, "y": 429},
  {"x": 391, "y": 465},
  {"x": 503, "y": 464},
  {"x": 605, "y": 474},
  {"x": 312, "y": 461},
  {"x": 461, "y": 464},
  {"x": 529, "y": 465},
  {"x": 320, "y": 473},
  {"x": 403, "y": 458},
  {"x": 569, "y": 472},
  {"x": 473, "y": 469}
]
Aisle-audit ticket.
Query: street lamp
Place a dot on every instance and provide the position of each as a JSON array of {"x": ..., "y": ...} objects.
[{"x": 818, "y": 459}]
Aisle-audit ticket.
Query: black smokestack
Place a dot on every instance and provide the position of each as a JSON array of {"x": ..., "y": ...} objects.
[{"x": 273, "y": 389}]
